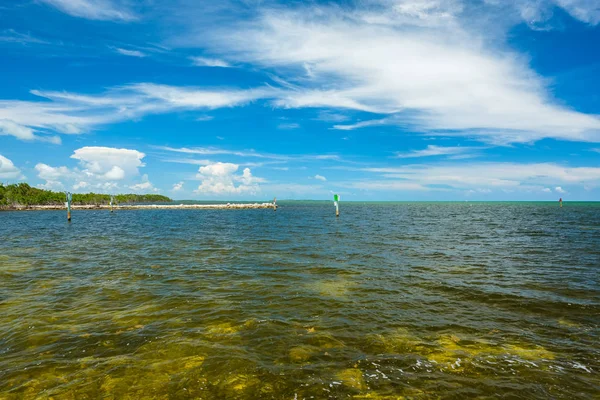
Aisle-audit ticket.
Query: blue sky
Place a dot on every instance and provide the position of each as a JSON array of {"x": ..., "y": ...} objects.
[{"x": 371, "y": 99}]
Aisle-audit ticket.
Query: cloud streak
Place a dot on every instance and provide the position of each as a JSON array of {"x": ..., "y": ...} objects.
[
  {"x": 482, "y": 175},
  {"x": 433, "y": 150},
  {"x": 103, "y": 10},
  {"x": 130, "y": 53},
  {"x": 209, "y": 62}
]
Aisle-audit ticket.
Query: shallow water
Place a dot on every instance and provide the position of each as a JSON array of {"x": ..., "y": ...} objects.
[{"x": 420, "y": 300}]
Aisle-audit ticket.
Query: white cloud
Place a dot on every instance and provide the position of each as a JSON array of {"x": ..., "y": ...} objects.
[
  {"x": 433, "y": 150},
  {"x": 48, "y": 173},
  {"x": 21, "y": 132},
  {"x": 177, "y": 186},
  {"x": 432, "y": 66},
  {"x": 558, "y": 189},
  {"x": 109, "y": 163},
  {"x": 72, "y": 113},
  {"x": 93, "y": 9},
  {"x": 114, "y": 174},
  {"x": 8, "y": 169},
  {"x": 130, "y": 53},
  {"x": 80, "y": 185},
  {"x": 99, "y": 168},
  {"x": 320, "y": 178},
  {"x": 56, "y": 186},
  {"x": 537, "y": 12},
  {"x": 220, "y": 179},
  {"x": 16, "y": 130},
  {"x": 209, "y": 62},
  {"x": 492, "y": 176},
  {"x": 439, "y": 76},
  {"x": 144, "y": 186},
  {"x": 547, "y": 190}
]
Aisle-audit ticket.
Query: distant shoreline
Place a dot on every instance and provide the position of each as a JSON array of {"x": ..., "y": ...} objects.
[{"x": 227, "y": 206}]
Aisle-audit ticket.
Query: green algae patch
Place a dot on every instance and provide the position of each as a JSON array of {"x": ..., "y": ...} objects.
[
  {"x": 336, "y": 288},
  {"x": 222, "y": 329},
  {"x": 352, "y": 378},
  {"x": 324, "y": 340},
  {"x": 301, "y": 354},
  {"x": 569, "y": 324},
  {"x": 533, "y": 353},
  {"x": 399, "y": 340},
  {"x": 11, "y": 265},
  {"x": 238, "y": 384}
]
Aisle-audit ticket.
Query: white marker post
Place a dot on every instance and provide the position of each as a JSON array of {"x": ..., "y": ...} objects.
[
  {"x": 69, "y": 200},
  {"x": 336, "y": 198},
  {"x": 112, "y": 198},
  {"x": 275, "y": 204}
]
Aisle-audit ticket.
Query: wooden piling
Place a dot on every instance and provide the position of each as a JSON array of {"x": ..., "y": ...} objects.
[{"x": 69, "y": 199}]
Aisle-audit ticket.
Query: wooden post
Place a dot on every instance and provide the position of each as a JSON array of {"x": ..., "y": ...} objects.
[{"x": 69, "y": 199}]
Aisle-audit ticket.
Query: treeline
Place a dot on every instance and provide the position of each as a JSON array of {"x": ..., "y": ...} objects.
[{"x": 21, "y": 194}]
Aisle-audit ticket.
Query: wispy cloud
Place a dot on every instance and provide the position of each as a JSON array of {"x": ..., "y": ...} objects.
[
  {"x": 187, "y": 161},
  {"x": 492, "y": 176},
  {"x": 105, "y": 10},
  {"x": 433, "y": 150},
  {"x": 320, "y": 178},
  {"x": 250, "y": 154},
  {"x": 130, "y": 53},
  {"x": 287, "y": 126},
  {"x": 220, "y": 151},
  {"x": 209, "y": 62},
  {"x": 12, "y": 36},
  {"x": 329, "y": 116},
  {"x": 424, "y": 64},
  {"x": 73, "y": 113}
]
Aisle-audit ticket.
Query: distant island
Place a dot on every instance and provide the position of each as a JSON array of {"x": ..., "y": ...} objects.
[{"x": 21, "y": 195}]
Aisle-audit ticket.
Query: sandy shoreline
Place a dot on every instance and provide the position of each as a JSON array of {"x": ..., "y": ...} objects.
[{"x": 148, "y": 207}]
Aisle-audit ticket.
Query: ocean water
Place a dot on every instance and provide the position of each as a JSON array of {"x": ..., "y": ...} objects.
[{"x": 391, "y": 300}]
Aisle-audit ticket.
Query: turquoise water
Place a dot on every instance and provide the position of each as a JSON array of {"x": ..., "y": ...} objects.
[{"x": 391, "y": 300}]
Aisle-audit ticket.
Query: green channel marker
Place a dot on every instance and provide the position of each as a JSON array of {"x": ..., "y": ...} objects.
[{"x": 336, "y": 198}]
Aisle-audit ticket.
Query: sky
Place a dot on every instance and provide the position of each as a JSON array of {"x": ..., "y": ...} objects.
[{"x": 251, "y": 100}]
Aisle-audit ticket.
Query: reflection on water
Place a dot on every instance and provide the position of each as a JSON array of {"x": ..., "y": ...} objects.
[{"x": 413, "y": 301}]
